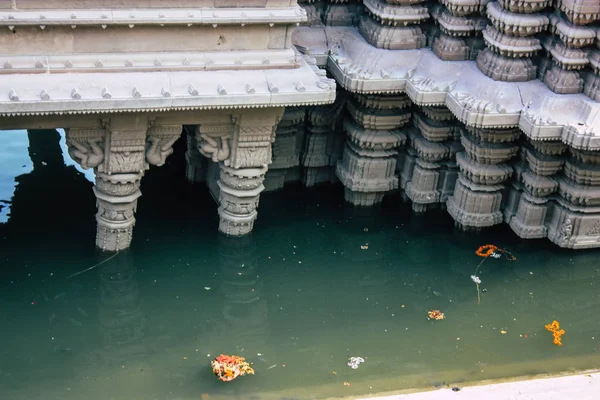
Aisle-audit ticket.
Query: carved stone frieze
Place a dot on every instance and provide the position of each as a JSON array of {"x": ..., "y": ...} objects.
[
  {"x": 580, "y": 12},
  {"x": 488, "y": 153},
  {"x": 126, "y": 151}
]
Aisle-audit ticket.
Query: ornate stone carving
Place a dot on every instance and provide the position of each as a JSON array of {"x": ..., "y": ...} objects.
[
  {"x": 159, "y": 144},
  {"x": 86, "y": 146},
  {"x": 511, "y": 41},
  {"x": 460, "y": 30},
  {"x": 239, "y": 196},
  {"x": 116, "y": 196},
  {"x": 367, "y": 168},
  {"x": 320, "y": 140}
]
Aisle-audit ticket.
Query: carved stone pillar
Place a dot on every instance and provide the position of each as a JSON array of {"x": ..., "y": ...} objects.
[
  {"x": 460, "y": 23},
  {"x": 320, "y": 127},
  {"x": 241, "y": 145},
  {"x": 120, "y": 152},
  {"x": 393, "y": 24},
  {"x": 477, "y": 198},
  {"x": 575, "y": 217},
  {"x": 195, "y": 161},
  {"x": 289, "y": 136},
  {"x": 510, "y": 40},
  {"x": 368, "y": 165},
  {"x": 538, "y": 183},
  {"x": 238, "y": 198},
  {"x": 435, "y": 172}
]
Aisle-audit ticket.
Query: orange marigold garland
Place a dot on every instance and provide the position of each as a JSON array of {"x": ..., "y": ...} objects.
[
  {"x": 227, "y": 368},
  {"x": 436, "y": 314},
  {"x": 486, "y": 251},
  {"x": 554, "y": 327}
]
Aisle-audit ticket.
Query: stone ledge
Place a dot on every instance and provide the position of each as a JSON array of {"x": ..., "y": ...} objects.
[
  {"x": 145, "y": 62},
  {"x": 473, "y": 98},
  {"x": 158, "y": 16},
  {"x": 89, "y": 93}
]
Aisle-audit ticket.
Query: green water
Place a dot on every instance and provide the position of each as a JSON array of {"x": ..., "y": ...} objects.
[{"x": 316, "y": 282}]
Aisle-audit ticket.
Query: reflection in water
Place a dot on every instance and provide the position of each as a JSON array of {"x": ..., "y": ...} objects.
[
  {"x": 315, "y": 282},
  {"x": 44, "y": 194},
  {"x": 120, "y": 313}
]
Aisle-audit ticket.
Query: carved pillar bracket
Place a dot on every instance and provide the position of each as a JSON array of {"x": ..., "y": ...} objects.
[
  {"x": 159, "y": 143},
  {"x": 241, "y": 144},
  {"x": 86, "y": 146}
]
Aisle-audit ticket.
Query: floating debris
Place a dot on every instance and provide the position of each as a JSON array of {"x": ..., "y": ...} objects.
[
  {"x": 554, "y": 327},
  {"x": 486, "y": 251},
  {"x": 436, "y": 315},
  {"x": 346, "y": 384},
  {"x": 354, "y": 362},
  {"x": 227, "y": 368}
]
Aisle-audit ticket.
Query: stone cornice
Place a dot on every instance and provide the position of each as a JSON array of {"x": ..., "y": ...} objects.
[
  {"x": 148, "y": 62},
  {"x": 155, "y": 16},
  {"x": 473, "y": 98},
  {"x": 95, "y": 93}
]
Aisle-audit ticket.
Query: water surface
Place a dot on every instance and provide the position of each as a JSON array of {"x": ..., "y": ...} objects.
[{"x": 316, "y": 282}]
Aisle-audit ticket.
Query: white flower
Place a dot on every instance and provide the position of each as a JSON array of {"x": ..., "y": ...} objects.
[
  {"x": 495, "y": 255},
  {"x": 475, "y": 279}
]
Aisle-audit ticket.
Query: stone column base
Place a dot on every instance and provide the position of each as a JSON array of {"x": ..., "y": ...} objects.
[
  {"x": 116, "y": 197},
  {"x": 239, "y": 194},
  {"x": 365, "y": 199},
  {"x": 528, "y": 222},
  {"x": 475, "y": 206},
  {"x": 574, "y": 227}
]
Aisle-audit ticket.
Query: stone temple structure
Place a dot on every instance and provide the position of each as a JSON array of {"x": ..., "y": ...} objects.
[{"x": 489, "y": 109}]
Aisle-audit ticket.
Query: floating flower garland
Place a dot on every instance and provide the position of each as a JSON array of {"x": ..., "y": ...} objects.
[
  {"x": 354, "y": 362},
  {"x": 554, "y": 327},
  {"x": 436, "y": 315},
  {"x": 486, "y": 251},
  {"x": 227, "y": 368}
]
